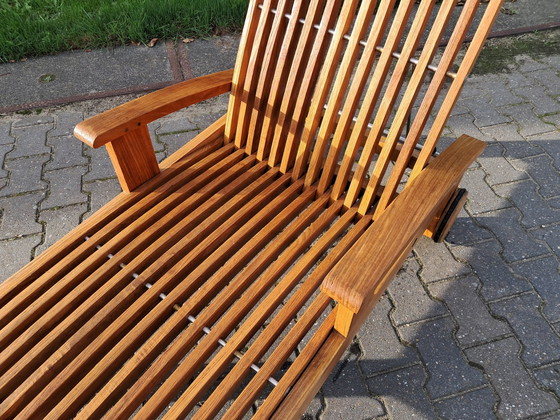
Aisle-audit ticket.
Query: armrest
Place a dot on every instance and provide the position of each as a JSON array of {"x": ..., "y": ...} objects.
[
  {"x": 117, "y": 122},
  {"x": 357, "y": 276}
]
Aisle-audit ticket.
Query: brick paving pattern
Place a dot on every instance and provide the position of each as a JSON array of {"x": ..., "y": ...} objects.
[{"x": 470, "y": 329}]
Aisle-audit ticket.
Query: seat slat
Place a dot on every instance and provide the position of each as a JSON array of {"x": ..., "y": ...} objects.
[
  {"x": 231, "y": 318},
  {"x": 257, "y": 349},
  {"x": 195, "y": 303}
]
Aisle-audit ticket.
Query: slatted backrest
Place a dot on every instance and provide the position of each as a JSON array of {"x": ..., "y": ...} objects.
[{"x": 324, "y": 88}]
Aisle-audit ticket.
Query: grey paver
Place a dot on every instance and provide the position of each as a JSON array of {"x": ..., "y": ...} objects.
[
  {"x": 15, "y": 253},
  {"x": 65, "y": 123},
  {"x": 516, "y": 146},
  {"x": 33, "y": 120},
  {"x": 412, "y": 303},
  {"x": 543, "y": 172},
  {"x": 100, "y": 193},
  {"x": 58, "y": 222},
  {"x": 18, "y": 216},
  {"x": 174, "y": 142},
  {"x": 519, "y": 396},
  {"x": 24, "y": 175},
  {"x": 4, "y": 149},
  {"x": 543, "y": 275},
  {"x": 473, "y": 405},
  {"x": 175, "y": 125},
  {"x": 64, "y": 187},
  {"x": 100, "y": 165},
  {"x": 516, "y": 80},
  {"x": 485, "y": 198},
  {"x": 541, "y": 344},
  {"x": 548, "y": 78},
  {"x": 496, "y": 276},
  {"x": 529, "y": 123},
  {"x": 465, "y": 231},
  {"x": 543, "y": 103},
  {"x": 552, "y": 119},
  {"x": 464, "y": 124},
  {"x": 5, "y": 137},
  {"x": 535, "y": 211},
  {"x": 517, "y": 242},
  {"x": 549, "y": 377},
  {"x": 550, "y": 235},
  {"x": 347, "y": 396},
  {"x": 403, "y": 394},
  {"x": 526, "y": 63},
  {"x": 550, "y": 143},
  {"x": 437, "y": 261},
  {"x": 30, "y": 141},
  {"x": 484, "y": 113},
  {"x": 476, "y": 324},
  {"x": 498, "y": 169},
  {"x": 449, "y": 370},
  {"x": 67, "y": 151},
  {"x": 381, "y": 345}
]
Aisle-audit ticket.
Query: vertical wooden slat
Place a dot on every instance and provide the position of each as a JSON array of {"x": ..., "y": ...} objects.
[
  {"x": 241, "y": 65},
  {"x": 323, "y": 87},
  {"x": 347, "y": 67},
  {"x": 389, "y": 98},
  {"x": 405, "y": 107},
  {"x": 427, "y": 104},
  {"x": 466, "y": 66}
]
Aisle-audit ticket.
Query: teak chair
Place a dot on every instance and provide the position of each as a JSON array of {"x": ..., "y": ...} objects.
[{"x": 240, "y": 269}]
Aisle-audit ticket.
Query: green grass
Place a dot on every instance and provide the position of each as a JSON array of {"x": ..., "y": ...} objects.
[{"x": 34, "y": 27}]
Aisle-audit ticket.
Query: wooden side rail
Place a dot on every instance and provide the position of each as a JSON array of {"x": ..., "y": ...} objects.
[
  {"x": 124, "y": 129},
  {"x": 349, "y": 283}
]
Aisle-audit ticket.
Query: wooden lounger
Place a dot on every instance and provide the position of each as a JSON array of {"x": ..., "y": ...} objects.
[{"x": 239, "y": 270}]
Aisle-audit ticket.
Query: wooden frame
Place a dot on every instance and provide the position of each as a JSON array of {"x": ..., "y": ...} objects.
[{"x": 278, "y": 226}]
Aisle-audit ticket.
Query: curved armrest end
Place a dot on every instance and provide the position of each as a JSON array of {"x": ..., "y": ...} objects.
[
  {"x": 117, "y": 122},
  {"x": 362, "y": 273}
]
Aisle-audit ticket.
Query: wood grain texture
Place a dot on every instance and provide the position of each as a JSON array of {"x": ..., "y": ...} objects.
[
  {"x": 115, "y": 123},
  {"x": 348, "y": 283}
]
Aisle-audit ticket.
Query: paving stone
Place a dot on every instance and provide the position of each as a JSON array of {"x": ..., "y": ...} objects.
[
  {"x": 65, "y": 187},
  {"x": 544, "y": 173},
  {"x": 473, "y": 405},
  {"x": 465, "y": 231},
  {"x": 33, "y": 120},
  {"x": 67, "y": 151},
  {"x": 550, "y": 235},
  {"x": 535, "y": 94},
  {"x": 382, "y": 348},
  {"x": 100, "y": 193},
  {"x": 15, "y": 253},
  {"x": 516, "y": 79},
  {"x": 476, "y": 324},
  {"x": 517, "y": 242},
  {"x": 174, "y": 142},
  {"x": 58, "y": 222},
  {"x": 100, "y": 165},
  {"x": 464, "y": 124},
  {"x": 412, "y": 303},
  {"x": 24, "y": 175},
  {"x": 481, "y": 197},
  {"x": 437, "y": 261},
  {"x": 30, "y": 141},
  {"x": 548, "y": 78},
  {"x": 65, "y": 123},
  {"x": 314, "y": 409},
  {"x": 526, "y": 63},
  {"x": 18, "y": 215},
  {"x": 497, "y": 97},
  {"x": 403, "y": 394},
  {"x": 552, "y": 119},
  {"x": 495, "y": 275},
  {"x": 541, "y": 344},
  {"x": 529, "y": 123},
  {"x": 203, "y": 121},
  {"x": 535, "y": 211},
  {"x": 347, "y": 396},
  {"x": 176, "y": 125},
  {"x": 543, "y": 275},
  {"x": 498, "y": 169},
  {"x": 550, "y": 143},
  {"x": 519, "y": 396},
  {"x": 549, "y": 378},
  {"x": 5, "y": 137},
  {"x": 484, "y": 113},
  {"x": 153, "y": 127},
  {"x": 4, "y": 149},
  {"x": 449, "y": 371},
  {"x": 516, "y": 146}
]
